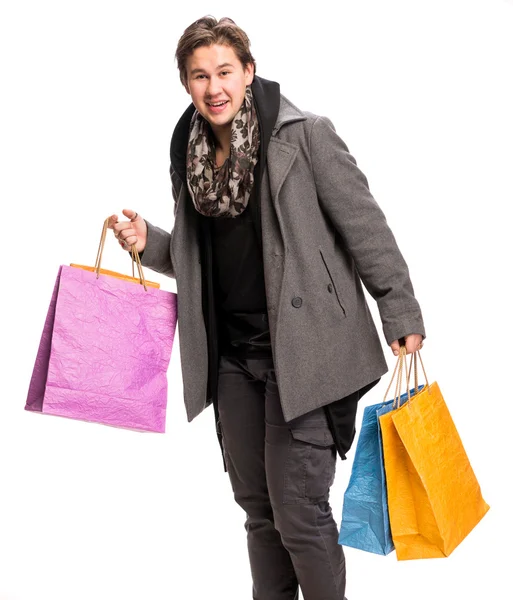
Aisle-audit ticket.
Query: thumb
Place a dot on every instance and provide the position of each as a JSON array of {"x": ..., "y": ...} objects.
[
  {"x": 131, "y": 214},
  {"x": 395, "y": 347}
]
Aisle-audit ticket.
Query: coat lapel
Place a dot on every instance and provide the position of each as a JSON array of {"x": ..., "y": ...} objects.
[
  {"x": 185, "y": 248},
  {"x": 280, "y": 154},
  {"x": 280, "y": 157}
]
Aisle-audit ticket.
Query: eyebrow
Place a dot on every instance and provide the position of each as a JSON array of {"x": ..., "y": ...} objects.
[{"x": 194, "y": 71}]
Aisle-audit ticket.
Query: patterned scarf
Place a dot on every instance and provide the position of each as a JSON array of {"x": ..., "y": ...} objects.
[{"x": 223, "y": 192}]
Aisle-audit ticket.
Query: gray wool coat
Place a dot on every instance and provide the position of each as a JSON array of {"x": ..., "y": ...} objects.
[{"x": 323, "y": 234}]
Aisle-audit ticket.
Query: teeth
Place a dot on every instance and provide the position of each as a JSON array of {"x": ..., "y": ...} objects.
[{"x": 218, "y": 104}]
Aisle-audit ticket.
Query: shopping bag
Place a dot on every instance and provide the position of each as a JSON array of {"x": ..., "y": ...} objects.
[
  {"x": 365, "y": 523},
  {"x": 105, "y": 348},
  {"x": 433, "y": 495}
]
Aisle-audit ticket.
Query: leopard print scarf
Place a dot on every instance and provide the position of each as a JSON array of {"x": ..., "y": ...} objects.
[{"x": 224, "y": 191}]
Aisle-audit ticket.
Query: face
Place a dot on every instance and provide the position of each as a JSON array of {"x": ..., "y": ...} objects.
[{"x": 214, "y": 75}]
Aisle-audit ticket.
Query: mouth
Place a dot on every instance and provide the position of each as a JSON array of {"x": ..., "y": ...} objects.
[{"x": 216, "y": 107}]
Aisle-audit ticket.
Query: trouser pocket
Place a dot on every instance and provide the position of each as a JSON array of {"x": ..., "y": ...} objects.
[{"x": 310, "y": 465}]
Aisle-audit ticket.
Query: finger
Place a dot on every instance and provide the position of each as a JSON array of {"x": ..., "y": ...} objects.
[
  {"x": 125, "y": 229},
  {"x": 131, "y": 214},
  {"x": 130, "y": 240},
  {"x": 113, "y": 219},
  {"x": 416, "y": 344},
  {"x": 395, "y": 347},
  {"x": 408, "y": 346},
  {"x": 413, "y": 342}
]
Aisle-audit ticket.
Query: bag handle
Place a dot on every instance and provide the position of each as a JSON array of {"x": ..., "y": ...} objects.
[
  {"x": 400, "y": 366},
  {"x": 136, "y": 259}
]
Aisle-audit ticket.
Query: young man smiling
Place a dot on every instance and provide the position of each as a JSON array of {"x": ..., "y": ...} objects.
[
  {"x": 218, "y": 102},
  {"x": 275, "y": 230}
]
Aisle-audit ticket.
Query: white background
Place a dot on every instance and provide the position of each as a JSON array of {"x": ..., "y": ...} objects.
[{"x": 422, "y": 94}]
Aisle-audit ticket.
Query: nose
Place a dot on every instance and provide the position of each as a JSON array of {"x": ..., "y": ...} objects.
[{"x": 214, "y": 87}]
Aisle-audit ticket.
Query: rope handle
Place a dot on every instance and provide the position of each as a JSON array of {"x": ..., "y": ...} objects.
[
  {"x": 401, "y": 367},
  {"x": 136, "y": 259}
]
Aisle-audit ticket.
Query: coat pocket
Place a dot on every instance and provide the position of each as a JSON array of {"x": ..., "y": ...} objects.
[{"x": 333, "y": 287}]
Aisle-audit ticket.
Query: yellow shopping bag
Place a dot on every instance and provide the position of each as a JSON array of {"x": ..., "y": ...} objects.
[{"x": 434, "y": 498}]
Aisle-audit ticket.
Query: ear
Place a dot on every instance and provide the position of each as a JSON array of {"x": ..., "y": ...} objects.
[{"x": 249, "y": 73}]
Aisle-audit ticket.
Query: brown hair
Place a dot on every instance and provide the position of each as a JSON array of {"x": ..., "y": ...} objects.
[{"x": 208, "y": 31}]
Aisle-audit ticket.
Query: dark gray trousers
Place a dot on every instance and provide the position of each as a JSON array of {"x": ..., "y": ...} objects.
[{"x": 281, "y": 474}]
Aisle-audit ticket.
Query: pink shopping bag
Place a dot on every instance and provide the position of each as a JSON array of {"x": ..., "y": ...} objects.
[{"x": 105, "y": 350}]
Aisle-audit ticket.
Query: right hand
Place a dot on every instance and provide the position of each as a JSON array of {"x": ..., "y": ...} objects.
[{"x": 128, "y": 233}]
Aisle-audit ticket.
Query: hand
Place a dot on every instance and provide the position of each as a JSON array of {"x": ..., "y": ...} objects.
[
  {"x": 128, "y": 233},
  {"x": 413, "y": 342}
]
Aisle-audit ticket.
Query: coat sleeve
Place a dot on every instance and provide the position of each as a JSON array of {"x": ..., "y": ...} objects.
[
  {"x": 344, "y": 195},
  {"x": 157, "y": 253}
]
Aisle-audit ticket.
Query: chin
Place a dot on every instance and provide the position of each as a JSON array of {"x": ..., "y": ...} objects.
[{"x": 220, "y": 122}]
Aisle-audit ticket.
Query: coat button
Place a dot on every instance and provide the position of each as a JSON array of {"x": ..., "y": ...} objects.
[
  {"x": 330, "y": 288},
  {"x": 296, "y": 302}
]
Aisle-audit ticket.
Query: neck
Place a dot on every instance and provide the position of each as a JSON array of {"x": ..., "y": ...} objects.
[{"x": 223, "y": 138}]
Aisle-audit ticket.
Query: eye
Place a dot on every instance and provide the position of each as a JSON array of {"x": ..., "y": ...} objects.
[{"x": 225, "y": 72}]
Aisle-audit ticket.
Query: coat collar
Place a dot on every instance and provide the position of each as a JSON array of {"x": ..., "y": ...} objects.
[{"x": 288, "y": 113}]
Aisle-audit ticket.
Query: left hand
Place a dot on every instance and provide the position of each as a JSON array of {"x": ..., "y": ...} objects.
[{"x": 413, "y": 342}]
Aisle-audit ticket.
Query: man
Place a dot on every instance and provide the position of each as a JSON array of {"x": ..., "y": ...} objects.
[{"x": 275, "y": 230}]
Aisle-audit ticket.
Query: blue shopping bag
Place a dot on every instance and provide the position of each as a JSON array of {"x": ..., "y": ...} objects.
[{"x": 365, "y": 523}]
